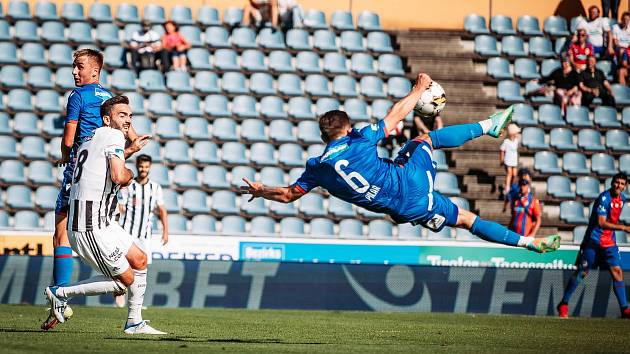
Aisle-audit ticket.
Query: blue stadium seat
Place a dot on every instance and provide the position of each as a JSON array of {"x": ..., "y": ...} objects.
[
  {"x": 577, "y": 116},
  {"x": 225, "y": 60},
  {"x": 19, "y": 100},
  {"x": 300, "y": 108},
  {"x": 123, "y": 80},
  {"x": 58, "y": 55},
  {"x": 499, "y": 68},
  {"x": 290, "y": 155},
  {"x": 312, "y": 205},
  {"x": 475, "y": 24},
  {"x": 64, "y": 80},
  {"x": 206, "y": 82},
  {"x": 548, "y": 66},
  {"x": 196, "y": 128},
  {"x": 603, "y": 164},
  {"x": 214, "y": 178},
  {"x": 317, "y": 86},
  {"x": 72, "y": 12},
  {"x": 572, "y": 212},
  {"x": 54, "y": 152},
  {"x": 261, "y": 84},
  {"x": 509, "y": 91},
  {"x": 151, "y": 81},
  {"x": 5, "y": 32},
  {"x": 154, "y": 14},
  {"x": 356, "y": 109},
  {"x": 363, "y": 64},
  {"x": 253, "y": 60},
  {"x": 185, "y": 176},
  {"x": 171, "y": 201},
  {"x": 342, "y": 21},
  {"x": 617, "y": 140},
  {"x": 45, "y": 198},
  {"x": 315, "y": 19},
  {"x": 351, "y": 228},
  {"x": 19, "y": 198},
  {"x": 127, "y": 13},
  {"x": 264, "y": 154},
  {"x": 340, "y": 209},
  {"x": 380, "y": 229},
  {"x": 345, "y": 86},
  {"x": 550, "y": 115},
  {"x": 625, "y": 218},
  {"x": 12, "y": 77},
  {"x": 243, "y": 38},
  {"x": 590, "y": 140},
  {"x": 177, "y": 224},
  {"x": 560, "y": 187},
  {"x": 606, "y": 67},
  {"x": 292, "y": 227},
  {"x": 398, "y": 87},
  {"x": 240, "y": 172},
  {"x": 188, "y": 105},
  {"x": 290, "y": 85},
  {"x": 534, "y": 138},
  {"x": 40, "y": 173},
  {"x": 233, "y": 16},
  {"x": 528, "y": 26},
  {"x": 178, "y": 82},
  {"x": 321, "y": 228},
  {"x": 47, "y": 101},
  {"x": 208, "y": 16},
  {"x": 26, "y": 220},
  {"x": 217, "y": 37},
  {"x": 324, "y": 41},
  {"x": 280, "y": 62},
  {"x": 625, "y": 116},
  {"x": 224, "y": 129},
  {"x": 18, "y": 10},
  {"x": 195, "y": 202},
  {"x": 216, "y": 106},
  {"x": 182, "y": 15},
  {"x": 113, "y": 56},
  {"x": 272, "y": 107},
  {"x": 153, "y": 149},
  {"x": 199, "y": 59},
  {"x": 298, "y": 40},
  {"x": 335, "y": 63},
  {"x": 587, "y": 187},
  {"x": 534, "y": 86},
  {"x": 575, "y": 163},
  {"x": 203, "y": 225},
  {"x": 513, "y": 46},
  {"x": 369, "y": 21},
  {"x": 244, "y": 106},
  {"x": 80, "y": 33},
  {"x": 622, "y": 94},
  {"x": 526, "y": 69},
  {"x": 262, "y": 226},
  {"x": 308, "y": 62},
  {"x": 486, "y": 46},
  {"x": 136, "y": 101},
  {"x": 25, "y": 31},
  {"x": 282, "y": 210},
  {"x": 273, "y": 176},
  {"x": 502, "y": 25},
  {"x": 444, "y": 234},
  {"x": 39, "y": 78},
  {"x": 205, "y": 152},
  {"x": 5, "y": 128},
  {"x": 46, "y": 11},
  {"x": 232, "y": 225},
  {"x": 107, "y": 34},
  {"x": 546, "y": 162},
  {"x": 440, "y": 159},
  {"x": 308, "y": 132},
  {"x": 326, "y": 104},
  {"x": 352, "y": 41},
  {"x": 176, "y": 152},
  {"x": 390, "y": 65},
  {"x": 281, "y": 131},
  {"x": 33, "y": 54},
  {"x": 409, "y": 232},
  {"x": 192, "y": 35},
  {"x": 269, "y": 39},
  {"x": 562, "y": 139},
  {"x": 160, "y": 104},
  {"x": 556, "y": 26},
  {"x": 25, "y": 124},
  {"x": 12, "y": 171},
  {"x": 315, "y": 150},
  {"x": 8, "y": 53},
  {"x": 233, "y": 153},
  {"x": 224, "y": 203},
  {"x": 100, "y": 13},
  {"x": 33, "y": 148},
  {"x": 142, "y": 125},
  {"x": 606, "y": 117},
  {"x": 446, "y": 183},
  {"x": 379, "y": 42}
]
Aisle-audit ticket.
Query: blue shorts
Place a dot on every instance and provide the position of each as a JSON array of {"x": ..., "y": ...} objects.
[
  {"x": 593, "y": 257},
  {"x": 61, "y": 206},
  {"x": 435, "y": 210}
]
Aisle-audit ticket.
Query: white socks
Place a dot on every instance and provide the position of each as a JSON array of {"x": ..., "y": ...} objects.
[
  {"x": 96, "y": 285},
  {"x": 486, "y": 124},
  {"x": 523, "y": 241},
  {"x": 136, "y": 296}
]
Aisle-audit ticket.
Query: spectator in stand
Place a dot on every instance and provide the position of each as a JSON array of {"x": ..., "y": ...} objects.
[
  {"x": 566, "y": 82},
  {"x": 144, "y": 46},
  {"x": 593, "y": 84},
  {"x": 513, "y": 193},
  {"x": 526, "y": 211},
  {"x": 395, "y": 135},
  {"x": 423, "y": 124},
  {"x": 508, "y": 155},
  {"x": 290, "y": 14},
  {"x": 621, "y": 34},
  {"x": 624, "y": 66},
  {"x": 597, "y": 27},
  {"x": 611, "y": 6},
  {"x": 261, "y": 11},
  {"x": 175, "y": 45},
  {"x": 580, "y": 50}
]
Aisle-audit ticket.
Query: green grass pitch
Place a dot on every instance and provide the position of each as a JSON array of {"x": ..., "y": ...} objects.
[{"x": 96, "y": 330}]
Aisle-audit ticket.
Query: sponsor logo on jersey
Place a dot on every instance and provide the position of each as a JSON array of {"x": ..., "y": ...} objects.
[{"x": 334, "y": 151}]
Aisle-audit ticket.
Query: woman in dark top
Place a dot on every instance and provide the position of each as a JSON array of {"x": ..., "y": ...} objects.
[{"x": 566, "y": 82}]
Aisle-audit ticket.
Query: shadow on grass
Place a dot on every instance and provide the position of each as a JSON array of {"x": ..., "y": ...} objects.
[
  {"x": 227, "y": 340},
  {"x": 17, "y": 330}
]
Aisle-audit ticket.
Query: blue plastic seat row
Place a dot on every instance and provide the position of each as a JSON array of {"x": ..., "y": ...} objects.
[
  {"x": 555, "y": 26},
  {"x": 514, "y": 46},
  {"x": 575, "y": 163},
  {"x": 586, "y": 187},
  {"x": 588, "y": 140}
]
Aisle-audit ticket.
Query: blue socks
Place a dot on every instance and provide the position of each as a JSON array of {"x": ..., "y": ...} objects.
[
  {"x": 62, "y": 266},
  {"x": 619, "y": 288},
  {"x": 455, "y": 135},
  {"x": 574, "y": 281},
  {"x": 493, "y": 232}
]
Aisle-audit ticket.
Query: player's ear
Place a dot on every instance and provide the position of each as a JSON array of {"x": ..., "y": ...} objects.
[{"x": 106, "y": 120}]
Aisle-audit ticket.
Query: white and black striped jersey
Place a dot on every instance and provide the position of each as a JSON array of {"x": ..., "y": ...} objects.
[
  {"x": 93, "y": 194},
  {"x": 140, "y": 202}
]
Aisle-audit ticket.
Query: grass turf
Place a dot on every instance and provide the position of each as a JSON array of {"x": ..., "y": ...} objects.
[{"x": 94, "y": 330}]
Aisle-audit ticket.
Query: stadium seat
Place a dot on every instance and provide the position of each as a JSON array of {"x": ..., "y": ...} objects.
[
  {"x": 534, "y": 138},
  {"x": 5, "y": 31},
  {"x": 199, "y": 59},
  {"x": 446, "y": 183},
  {"x": 282, "y": 210},
  {"x": 233, "y": 16},
  {"x": 176, "y": 152},
  {"x": 178, "y": 82},
  {"x": 368, "y": 21},
  {"x": 625, "y": 117},
  {"x": 51, "y": 32},
  {"x": 606, "y": 117},
  {"x": 208, "y": 16},
  {"x": 351, "y": 228},
  {"x": 192, "y": 35},
  {"x": 590, "y": 140},
  {"x": 340, "y": 209},
  {"x": 151, "y": 81},
  {"x": 58, "y": 55},
  {"x": 587, "y": 187},
  {"x": 224, "y": 203},
  {"x": 280, "y": 62},
  {"x": 290, "y": 155},
  {"x": 214, "y": 178},
  {"x": 124, "y": 80},
  {"x": 80, "y": 33},
  {"x": 548, "y": 66},
  {"x": 324, "y": 41},
  {"x": 154, "y": 14},
  {"x": 127, "y": 13},
  {"x": 308, "y": 132},
  {"x": 185, "y": 176},
  {"x": 4, "y": 218},
  {"x": 317, "y": 86},
  {"x": 24, "y": 124},
  {"x": 253, "y": 60},
  {"x": 195, "y": 202},
  {"x": 107, "y": 34},
  {"x": 606, "y": 67},
  {"x": 33, "y": 54},
  {"x": 26, "y": 220},
  {"x": 308, "y": 63},
  {"x": 19, "y": 198},
  {"x": 272, "y": 107},
  {"x": 261, "y": 84},
  {"x": 321, "y": 228},
  {"x": 300, "y": 108},
  {"x": 444, "y": 234},
  {"x": 54, "y": 152},
  {"x": 19, "y": 100},
  {"x": 217, "y": 38},
  {"x": 379, "y": 42},
  {"x": 136, "y": 101},
  {"x": 315, "y": 150},
  {"x": 352, "y": 41},
  {"x": 171, "y": 202},
  {"x": 8, "y": 53},
  {"x": 390, "y": 65},
  {"x": 560, "y": 45},
  {"x": 380, "y": 229},
  {"x": 550, "y": 116},
  {"x": 5, "y": 128},
  {"x": 216, "y": 106},
  {"x": 502, "y": 25},
  {"x": 269, "y": 39},
  {"x": 617, "y": 140},
  {"x": 177, "y": 224},
  {"x": 188, "y": 105},
  {"x": 47, "y": 101},
  {"x": 240, "y": 172},
  {"x": 12, "y": 172},
  {"x": 312, "y": 205},
  {"x": 196, "y": 128},
  {"x": 373, "y": 87},
  {"x": 206, "y": 82},
  {"x": 513, "y": 46},
  {"x": 562, "y": 139},
  {"x": 264, "y": 154},
  {"x": 46, "y": 11},
  {"x": 499, "y": 68},
  {"x": 224, "y": 129},
  {"x": 281, "y": 131},
  {"x": 232, "y": 225},
  {"x": 342, "y": 21},
  {"x": 572, "y": 212},
  {"x": 291, "y": 85},
  {"x": 225, "y": 60},
  {"x": 560, "y": 187},
  {"x": 622, "y": 94},
  {"x": 273, "y": 176},
  {"x": 409, "y": 232},
  {"x": 291, "y": 227},
  {"x": 39, "y": 78},
  {"x": 243, "y": 38},
  {"x": 25, "y": 31},
  {"x": 233, "y": 153},
  {"x": 546, "y": 162},
  {"x": 575, "y": 163},
  {"x": 244, "y": 106},
  {"x": 556, "y": 26},
  {"x": 64, "y": 80},
  {"x": 345, "y": 86},
  {"x": 129, "y": 30},
  {"x": 356, "y": 109},
  {"x": 18, "y": 10},
  {"x": 182, "y": 15},
  {"x": 363, "y": 64},
  {"x": 625, "y": 216},
  {"x": 509, "y": 91},
  {"x": 46, "y": 197},
  {"x": 262, "y": 226},
  {"x": 526, "y": 69},
  {"x": 334, "y": 63},
  {"x": 40, "y": 173},
  {"x": 100, "y": 13},
  {"x": 142, "y": 125},
  {"x": 475, "y": 24},
  {"x": 160, "y": 104},
  {"x": 603, "y": 164},
  {"x": 298, "y": 40},
  {"x": 528, "y": 26},
  {"x": 113, "y": 56},
  {"x": 326, "y": 104},
  {"x": 12, "y": 77},
  {"x": 205, "y": 152},
  {"x": 315, "y": 19},
  {"x": 398, "y": 87},
  {"x": 577, "y": 116},
  {"x": 33, "y": 148}
]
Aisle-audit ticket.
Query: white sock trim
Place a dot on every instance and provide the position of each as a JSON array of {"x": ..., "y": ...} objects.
[
  {"x": 486, "y": 124},
  {"x": 523, "y": 241}
]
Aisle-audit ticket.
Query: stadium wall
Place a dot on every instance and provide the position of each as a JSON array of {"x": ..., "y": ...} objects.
[
  {"x": 404, "y": 14},
  {"x": 273, "y": 285}
]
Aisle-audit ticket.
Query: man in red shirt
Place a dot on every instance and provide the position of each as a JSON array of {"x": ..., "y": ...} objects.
[
  {"x": 580, "y": 50},
  {"x": 526, "y": 212}
]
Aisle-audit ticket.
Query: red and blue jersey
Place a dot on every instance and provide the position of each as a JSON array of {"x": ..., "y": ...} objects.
[
  {"x": 525, "y": 212},
  {"x": 84, "y": 107},
  {"x": 607, "y": 206}
]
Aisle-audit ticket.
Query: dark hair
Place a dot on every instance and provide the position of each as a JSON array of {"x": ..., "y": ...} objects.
[
  {"x": 593, "y": 7},
  {"x": 92, "y": 54},
  {"x": 523, "y": 171},
  {"x": 172, "y": 23},
  {"x": 626, "y": 13},
  {"x": 332, "y": 124},
  {"x": 143, "y": 158},
  {"x": 619, "y": 175},
  {"x": 106, "y": 107}
]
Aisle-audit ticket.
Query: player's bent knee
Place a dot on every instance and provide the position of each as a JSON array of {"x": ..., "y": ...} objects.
[
  {"x": 137, "y": 258},
  {"x": 126, "y": 278},
  {"x": 426, "y": 138},
  {"x": 465, "y": 218},
  {"x": 617, "y": 273}
]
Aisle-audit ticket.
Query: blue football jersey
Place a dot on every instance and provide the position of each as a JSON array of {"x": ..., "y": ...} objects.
[
  {"x": 84, "y": 107},
  {"x": 351, "y": 170}
]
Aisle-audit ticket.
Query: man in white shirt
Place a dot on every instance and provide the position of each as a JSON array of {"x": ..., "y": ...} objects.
[
  {"x": 621, "y": 34},
  {"x": 596, "y": 27},
  {"x": 144, "y": 45}
]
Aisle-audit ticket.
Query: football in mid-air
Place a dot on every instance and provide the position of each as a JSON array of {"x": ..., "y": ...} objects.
[{"x": 431, "y": 102}]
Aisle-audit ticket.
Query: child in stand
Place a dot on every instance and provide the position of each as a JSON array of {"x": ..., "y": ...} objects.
[{"x": 509, "y": 155}]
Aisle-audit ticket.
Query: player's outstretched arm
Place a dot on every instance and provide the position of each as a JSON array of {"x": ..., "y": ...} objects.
[
  {"x": 278, "y": 194},
  {"x": 402, "y": 108}
]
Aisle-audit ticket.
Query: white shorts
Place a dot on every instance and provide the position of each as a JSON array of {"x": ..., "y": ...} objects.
[
  {"x": 103, "y": 249},
  {"x": 145, "y": 246}
]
